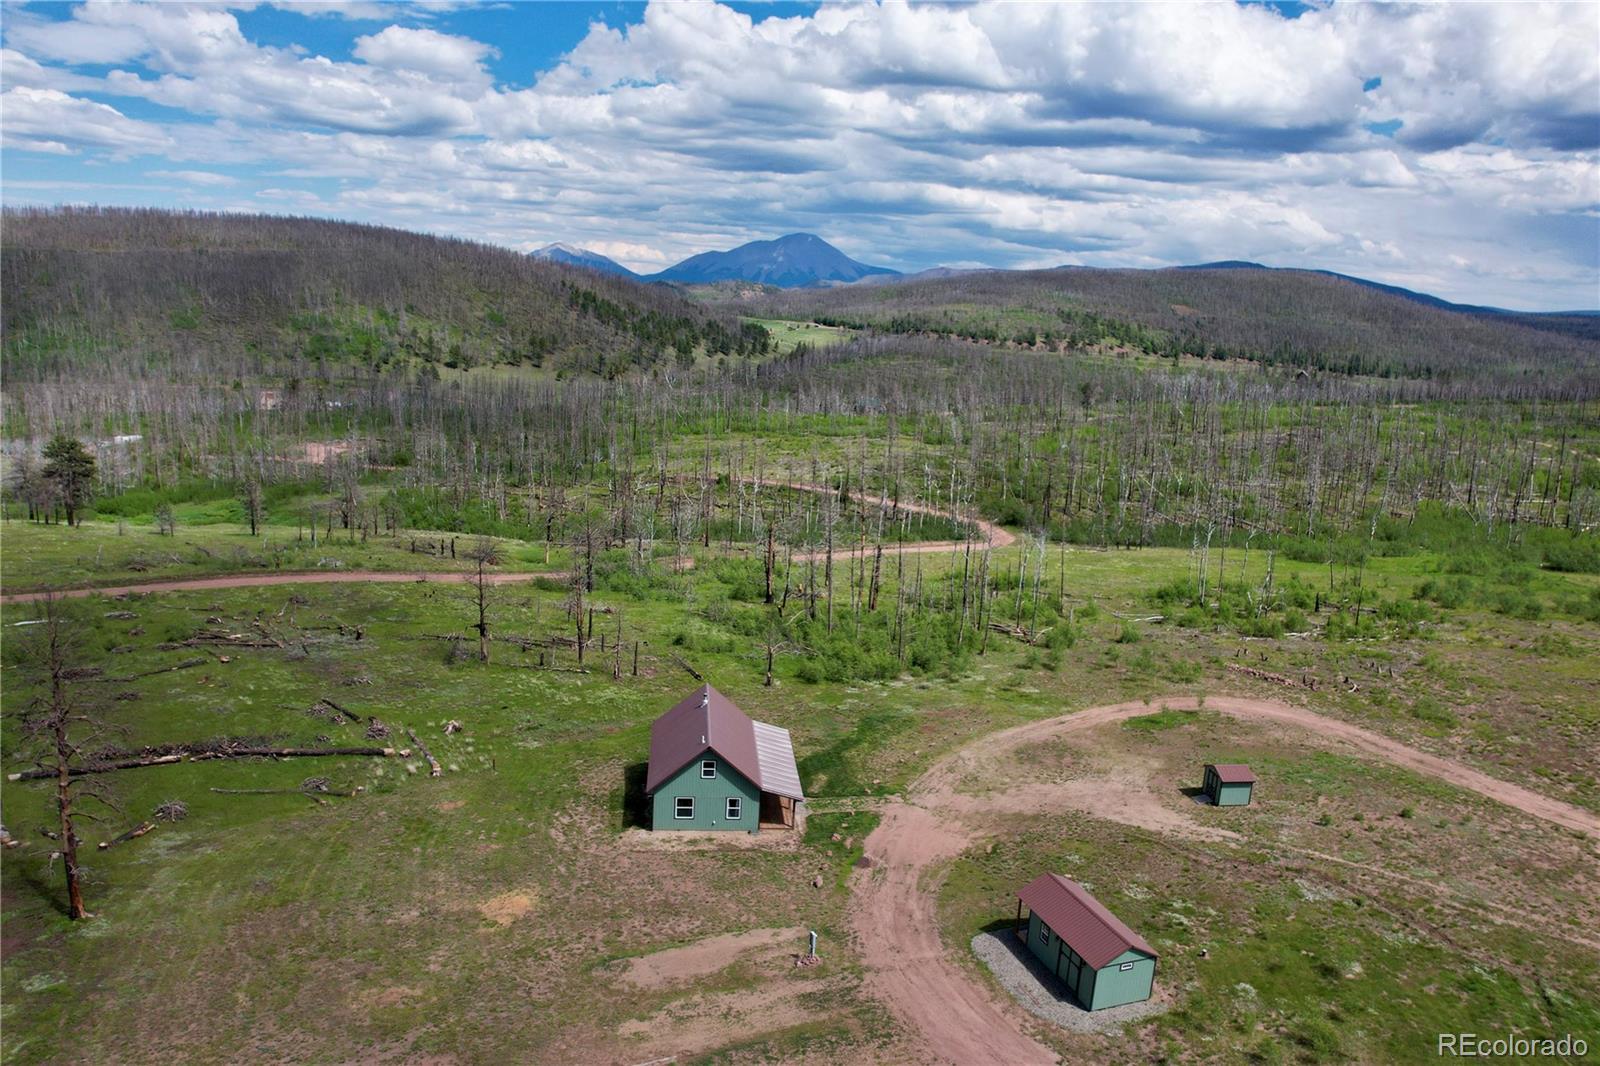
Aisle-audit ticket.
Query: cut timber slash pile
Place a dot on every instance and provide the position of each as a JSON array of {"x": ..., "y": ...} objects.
[{"x": 894, "y": 905}]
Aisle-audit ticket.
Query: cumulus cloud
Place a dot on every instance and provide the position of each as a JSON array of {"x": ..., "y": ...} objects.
[
  {"x": 1385, "y": 140},
  {"x": 51, "y": 121},
  {"x": 426, "y": 51}
]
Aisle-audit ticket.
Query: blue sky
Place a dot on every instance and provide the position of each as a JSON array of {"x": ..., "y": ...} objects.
[{"x": 1452, "y": 149}]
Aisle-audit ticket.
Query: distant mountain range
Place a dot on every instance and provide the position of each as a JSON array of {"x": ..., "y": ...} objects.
[
  {"x": 1393, "y": 290},
  {"x": 582, "y": 257},
  {"x": 806, "y": 261},
  {"x": 798, "y": 261}
]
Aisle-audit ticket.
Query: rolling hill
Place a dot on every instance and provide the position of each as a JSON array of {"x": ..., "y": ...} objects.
[
  {"x": 208, "y": 293},
  {"x": 1297, "y": 318},
  {"x": 799, "y": 260},
  {"x": 1533, "y": 318}
]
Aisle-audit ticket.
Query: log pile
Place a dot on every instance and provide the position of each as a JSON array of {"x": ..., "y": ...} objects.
[{"x": 1303, "y": 681}]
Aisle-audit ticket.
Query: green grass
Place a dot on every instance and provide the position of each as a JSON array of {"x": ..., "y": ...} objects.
[
  {"x": 1162, "y": 720},
  {"x": 1302, "y": 961},
  {"x": 789, "y": 334},
  {"x": 108, "y": 553},
  {"x": 355, "y": 926}
]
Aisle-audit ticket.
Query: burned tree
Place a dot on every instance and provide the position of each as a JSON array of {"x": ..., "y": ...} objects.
[
  {"x": 251, "y": 499},
  {"x": 483, "y": 554},
  {"x": 58, "y": 726}
]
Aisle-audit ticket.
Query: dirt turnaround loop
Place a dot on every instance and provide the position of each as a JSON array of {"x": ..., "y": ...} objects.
[{"x": 894, "y": 904}]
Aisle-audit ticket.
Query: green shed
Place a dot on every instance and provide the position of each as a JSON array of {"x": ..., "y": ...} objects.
[
  {"x": 1229, "y": 784},
  {"x": 713, "y": 768},
  {"x": 1102, "y": 961}
]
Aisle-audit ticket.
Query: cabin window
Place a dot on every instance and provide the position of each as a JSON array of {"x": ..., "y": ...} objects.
[
  {"x": 735, "y": 808},
  {"x": 684, "y": 807},
  {"x": 708, "y": 768},
  {"x": 1126, "y": 966},
  {"x": 1044, "y": 933}
]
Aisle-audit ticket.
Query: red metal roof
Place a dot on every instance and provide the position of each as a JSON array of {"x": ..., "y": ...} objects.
[
  {"x": 703, "y": 719},
  {"x": 1232, "y": 773},
  {"x": 1078, "y": 918}
]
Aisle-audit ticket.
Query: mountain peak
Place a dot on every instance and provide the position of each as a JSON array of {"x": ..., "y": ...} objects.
[
  {"x": 795, "y": 260},
  {"x": 571, "y": 255}
]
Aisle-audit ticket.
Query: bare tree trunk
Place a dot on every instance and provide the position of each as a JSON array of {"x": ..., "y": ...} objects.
[{"x": 69, "y": 837}]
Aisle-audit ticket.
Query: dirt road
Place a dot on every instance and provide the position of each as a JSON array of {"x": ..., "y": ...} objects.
[
  {"x": 988, "y": 532},
  {"x": 894, "y": 912}
]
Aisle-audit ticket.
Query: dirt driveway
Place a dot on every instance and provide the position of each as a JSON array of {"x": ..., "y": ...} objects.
[{"x": 894, "y": 905}]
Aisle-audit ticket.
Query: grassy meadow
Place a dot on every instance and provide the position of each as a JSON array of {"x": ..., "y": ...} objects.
[{"x": 356, "y": 927}]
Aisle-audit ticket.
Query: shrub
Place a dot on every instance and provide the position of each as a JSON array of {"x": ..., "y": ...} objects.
[{"x": 1580, "y": 555}]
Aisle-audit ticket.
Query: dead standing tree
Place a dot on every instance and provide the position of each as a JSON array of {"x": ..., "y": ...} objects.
[
  {"x": 484, "y": 553},
  {"x": 252, "y": 500},
  {"x": 57, "y": 727}
]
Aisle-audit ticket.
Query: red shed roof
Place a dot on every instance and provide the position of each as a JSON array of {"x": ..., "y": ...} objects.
[
  {"x": 1232, "y": 773},
  {"x": 1080, "y": 919},
  {"x": 707, "y": 720}
]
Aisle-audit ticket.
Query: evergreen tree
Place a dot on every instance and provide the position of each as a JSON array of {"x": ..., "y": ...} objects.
[{"x": 69, "y": 468}]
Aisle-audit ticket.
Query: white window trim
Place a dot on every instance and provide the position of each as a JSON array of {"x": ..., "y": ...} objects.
[
  {"x": 1044, "y": 933},
  {"x": 734, "y": 808},
  {"x": 1126, "y": 966},
  {"x": 705, "y": 765},
  {"x": 677, "y": 807}
]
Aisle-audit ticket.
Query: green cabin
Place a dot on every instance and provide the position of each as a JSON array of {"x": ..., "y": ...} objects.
[
  {"x": 1228, "y": 784},
  {"x": 714, "y": 768},
  {"x": 1101, "y": 961}
]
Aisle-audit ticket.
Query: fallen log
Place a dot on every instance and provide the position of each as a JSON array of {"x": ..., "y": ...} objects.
[
  {"x": 262, "y": 629},
  {"x": 434, "y": 769},
  {"x": 185, "y": 665},
  {"x": 318, "y": 800},
  {"x": 137, "y": 831},
  {"x": 340, "y": 714},
  {"x": 1018, "y": 632},
  {"x": 692, "y": 671},
  {"x": 202, "y": 756}
]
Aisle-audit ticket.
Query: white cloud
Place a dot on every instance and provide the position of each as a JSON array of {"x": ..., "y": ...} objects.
[
  {"x": 1014, "y": 134},
  {"x": 51, "y": 121},
  {"x": 193, "y": 177},
  {"x": 426, "y": 51}
]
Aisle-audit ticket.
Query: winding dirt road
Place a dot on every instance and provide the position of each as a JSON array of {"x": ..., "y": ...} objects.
[
  {"x": 988, "y": 533},
  {"x": 894, "y": 912}
]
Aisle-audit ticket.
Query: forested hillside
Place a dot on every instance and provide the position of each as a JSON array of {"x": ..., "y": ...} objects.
[
  {"x": 240, "y": 293},
  {"x": 1295, "y": 318}
]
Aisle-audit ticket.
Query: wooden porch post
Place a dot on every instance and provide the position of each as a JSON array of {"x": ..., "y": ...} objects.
[{"x": 1017, "y": 929}]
